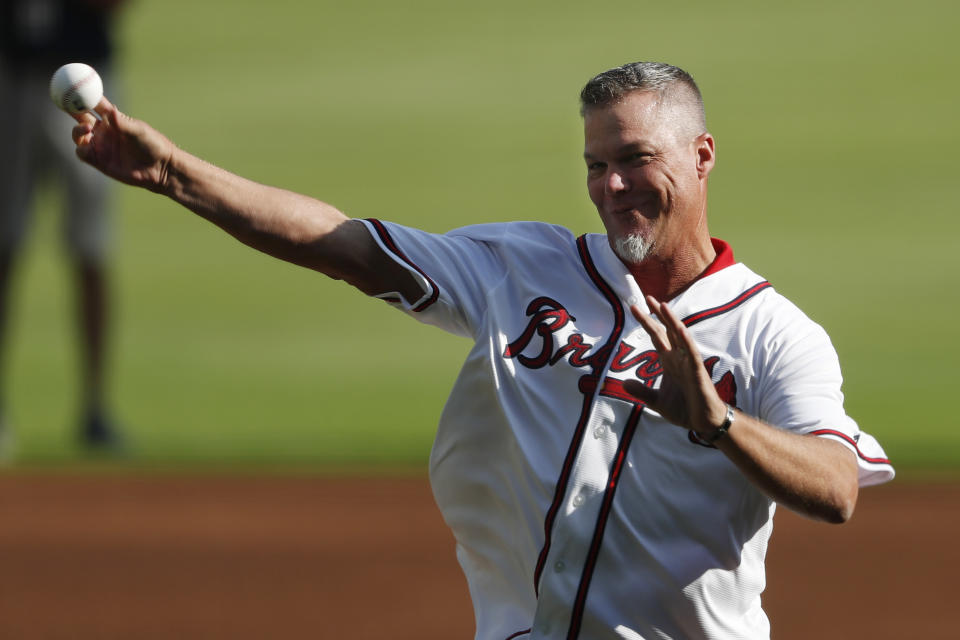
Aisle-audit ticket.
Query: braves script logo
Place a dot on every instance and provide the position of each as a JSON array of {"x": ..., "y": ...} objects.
[{"x": 547, "y": 317}]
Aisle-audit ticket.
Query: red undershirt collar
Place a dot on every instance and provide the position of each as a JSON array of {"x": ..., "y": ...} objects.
[{"x": 723, "y": 260}]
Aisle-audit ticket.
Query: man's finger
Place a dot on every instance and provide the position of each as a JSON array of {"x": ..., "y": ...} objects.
[
  {"x": 84, "y": 117},
  {"x": 663, "y": 313},
  {"x": 80, "y": 131},
  {"x": 676, "y": 331},
  {"x": 672, "y": 326},
  {"x": 653, "y": 329},
  {"x": 107, "y": 111},
  {"x": 641, "y": 392}
]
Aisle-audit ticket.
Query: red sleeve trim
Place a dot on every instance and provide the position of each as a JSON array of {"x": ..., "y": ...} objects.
[
  {"x": 388, "y": 241},
  {"x": 851, "y": 442}
]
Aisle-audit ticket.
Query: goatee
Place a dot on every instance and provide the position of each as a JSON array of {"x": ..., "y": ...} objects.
[{"x": 632, "y": 248}]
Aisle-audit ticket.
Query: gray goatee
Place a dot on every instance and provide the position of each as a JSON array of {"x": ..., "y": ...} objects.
[{"x": 632, "y": 248}]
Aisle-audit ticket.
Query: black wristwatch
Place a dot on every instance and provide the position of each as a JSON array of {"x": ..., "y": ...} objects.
[{"x": 722, "y": 429}]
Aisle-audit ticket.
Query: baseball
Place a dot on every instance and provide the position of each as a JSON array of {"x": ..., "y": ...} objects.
[{"x": 76, "y": 87}]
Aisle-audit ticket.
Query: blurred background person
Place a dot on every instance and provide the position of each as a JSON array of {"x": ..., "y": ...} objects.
[{"x": 36, "y": 37}]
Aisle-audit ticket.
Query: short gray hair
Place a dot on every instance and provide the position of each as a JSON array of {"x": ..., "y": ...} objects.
[{"x": 670, "y": 82}]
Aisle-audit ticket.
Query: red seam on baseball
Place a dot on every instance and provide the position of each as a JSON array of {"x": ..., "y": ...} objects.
[{"x": 76, "y": 85}]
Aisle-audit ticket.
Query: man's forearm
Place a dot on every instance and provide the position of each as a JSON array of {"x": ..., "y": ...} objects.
[
  {"x": 813, "y": 476},
  {"x": 284, "y": 224}
]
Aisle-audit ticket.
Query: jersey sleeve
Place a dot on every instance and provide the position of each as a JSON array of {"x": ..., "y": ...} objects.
[
  {"x": 801, "y": 392},
  {"x": 455, "y": 271}
]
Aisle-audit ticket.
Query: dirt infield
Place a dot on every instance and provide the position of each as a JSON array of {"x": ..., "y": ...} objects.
[{"x": 159, "y": 556}]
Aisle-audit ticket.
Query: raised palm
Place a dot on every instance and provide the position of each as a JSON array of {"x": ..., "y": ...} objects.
[{"x": 687, "y": 396}]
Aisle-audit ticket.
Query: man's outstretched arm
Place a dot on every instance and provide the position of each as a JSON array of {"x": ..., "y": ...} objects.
[{"x": 281, "y": 223}]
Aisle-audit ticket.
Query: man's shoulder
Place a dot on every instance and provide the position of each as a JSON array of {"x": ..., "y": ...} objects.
[
  {"x": 515, "y": 231},
  {"x": 737, "y": 287},
  {"x": 520, "y": 236}
]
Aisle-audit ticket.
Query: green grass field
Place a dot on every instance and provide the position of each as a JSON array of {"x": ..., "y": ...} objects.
[{"x": 836, "y": 130}]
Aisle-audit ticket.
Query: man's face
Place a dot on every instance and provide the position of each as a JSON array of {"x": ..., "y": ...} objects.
[{"x": 646, "y": 174}]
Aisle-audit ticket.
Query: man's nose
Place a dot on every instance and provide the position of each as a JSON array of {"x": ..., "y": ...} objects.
[{"x": 617, "y": 182}]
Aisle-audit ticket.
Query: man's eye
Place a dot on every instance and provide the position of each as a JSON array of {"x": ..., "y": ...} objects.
[
  {"x": 596, "y": 167},
  {"x": 639, "y": 157}
]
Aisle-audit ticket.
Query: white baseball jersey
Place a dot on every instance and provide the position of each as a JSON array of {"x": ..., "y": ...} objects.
[{"x": 577, "y": 511}]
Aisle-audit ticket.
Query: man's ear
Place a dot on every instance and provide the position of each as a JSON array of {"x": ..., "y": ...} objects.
[{"x": 706, "y": 154}]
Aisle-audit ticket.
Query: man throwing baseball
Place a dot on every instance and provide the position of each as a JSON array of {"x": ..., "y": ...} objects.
[{"x": 635, "y": 404}]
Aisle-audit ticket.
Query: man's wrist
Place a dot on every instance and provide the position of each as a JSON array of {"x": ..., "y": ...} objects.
[{"x": 720, "y": 431}]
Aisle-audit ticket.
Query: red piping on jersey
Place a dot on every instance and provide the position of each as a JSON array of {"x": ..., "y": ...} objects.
[
  {"x": 392, "y": 246},
  {"x": 519, "y": 633},
  {"x": 599, "y": 360},
  {"x": 588, "y": 385},
  {"x": 852, "y": 442},
  {"x": 561, "y": 489},
  {"x": 579, "y": 603},
  {"x": 736, "y": 302}
]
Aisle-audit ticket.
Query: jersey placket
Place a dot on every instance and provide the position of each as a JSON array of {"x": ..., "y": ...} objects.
[
  {"x": 576, "y": 520},
  {"x": 579, "y": 526}
]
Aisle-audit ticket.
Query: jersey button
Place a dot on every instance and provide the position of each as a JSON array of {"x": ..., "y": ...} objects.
[
  {"x": 600, "y": 431},
  {"x": 578, "y": 500},
  {"x": 559, "y": 566}
]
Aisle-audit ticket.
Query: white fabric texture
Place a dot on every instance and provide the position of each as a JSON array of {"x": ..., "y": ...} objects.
[{"x": 576, "y": 510}]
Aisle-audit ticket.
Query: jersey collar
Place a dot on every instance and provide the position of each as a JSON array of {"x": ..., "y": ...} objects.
[
  {"x": 723, "y": 260},
  {"x": 615, "y": 273}
]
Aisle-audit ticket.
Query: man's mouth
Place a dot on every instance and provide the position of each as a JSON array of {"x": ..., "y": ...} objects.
[
  {"x": 647, "y": 206},
  {"x": 646, "y": 209}
]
